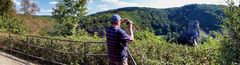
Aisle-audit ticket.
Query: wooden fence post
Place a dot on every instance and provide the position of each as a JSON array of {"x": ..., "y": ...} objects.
[
  {"x": 85, "y": 53},
  {"x": 51, "y": 42},
  {"x": 9, "y": 40},
  {"x": 28, "y": 47}
]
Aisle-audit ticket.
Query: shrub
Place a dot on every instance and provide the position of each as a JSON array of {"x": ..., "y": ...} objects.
[
  {"x": 11, "y": 24},
  {"x": 153, "y": 50}
]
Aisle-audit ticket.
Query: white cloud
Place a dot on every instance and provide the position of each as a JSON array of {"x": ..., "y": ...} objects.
[
  {"x": 17, "y": 2},
  {"x": 120, "y": 3},
  {"x": 44, "y": 10},
  {"x": 44, "y": 13},
  {"x": 113, "y": 4},
  {"x": 53, "y": 2},
  {"x": 34, "y": 1},
  {"x": 103, "y": 7},
  {"x": 110, "y": 0},
  {"x": 90, "y": 1},
  {"x": 179, "y": 3}
]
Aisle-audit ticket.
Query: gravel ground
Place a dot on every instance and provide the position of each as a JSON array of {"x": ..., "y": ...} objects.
[{"x": 6, "y": 59}]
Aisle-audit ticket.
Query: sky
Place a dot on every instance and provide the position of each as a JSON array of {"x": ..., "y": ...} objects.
[{"x": 94, "y": 6}]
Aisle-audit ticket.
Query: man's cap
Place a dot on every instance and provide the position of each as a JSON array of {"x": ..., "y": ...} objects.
[{"x": 116, "y": 18}]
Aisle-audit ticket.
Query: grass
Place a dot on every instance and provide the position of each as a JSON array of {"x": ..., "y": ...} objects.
[{"x": 35, "y": 25}]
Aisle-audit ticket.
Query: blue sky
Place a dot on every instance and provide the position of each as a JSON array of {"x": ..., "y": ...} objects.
[{"x": 94, "y": 6}]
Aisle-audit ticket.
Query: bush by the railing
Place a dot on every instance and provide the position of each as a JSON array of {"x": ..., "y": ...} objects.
[
  {"x": 155, "y": 51},
  {"x": 147, "y": 49}
]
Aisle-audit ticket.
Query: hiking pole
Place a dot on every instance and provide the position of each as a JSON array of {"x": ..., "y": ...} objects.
[
  {"x": 134, "y": 62},
  {"x": 131, "y": 57}
]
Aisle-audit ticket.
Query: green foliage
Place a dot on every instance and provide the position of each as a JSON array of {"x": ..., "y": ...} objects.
[
  {"x": 207, "y": 15},
  {"x": 169, "y": 22},
  {"x": 6, "y": 7},
  {"x": 151, "y": 51},
  {"x": 230, "y": 43},
  {"x": 8, "y": 22},
  {"x": 147, "y": 35},
  {"x": 147, "y": 49},
  {"x": 69, "y": 13}
]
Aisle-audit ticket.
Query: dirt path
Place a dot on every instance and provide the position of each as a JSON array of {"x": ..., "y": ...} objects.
[{"x": 6, "y": 59}]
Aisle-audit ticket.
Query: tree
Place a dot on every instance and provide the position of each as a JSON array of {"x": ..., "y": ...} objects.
[
  {"x": 68, "y": 14},
  {"x": 8, "y": 21},
  {"x": 6, "y": 7},
  {"x": 231, "y": 42},
  {"x": 29, "y": 7}
]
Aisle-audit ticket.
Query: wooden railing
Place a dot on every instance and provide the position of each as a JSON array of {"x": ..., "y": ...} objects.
[
  {"x": 55, "y": 51},
  {"x": 52, "y": 51}
]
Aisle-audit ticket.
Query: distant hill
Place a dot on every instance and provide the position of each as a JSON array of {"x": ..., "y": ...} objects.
[{"x": 170, "y": 21}]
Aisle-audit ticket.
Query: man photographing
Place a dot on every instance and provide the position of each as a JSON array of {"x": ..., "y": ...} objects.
[{"x": 117, "y": 40}]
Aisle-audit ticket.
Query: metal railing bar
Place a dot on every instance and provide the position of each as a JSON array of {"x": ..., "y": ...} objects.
[
  {"x": 47, "y": 49},
  {"x": 75, "y": 41},
  {"x": 42, "y": 37}
]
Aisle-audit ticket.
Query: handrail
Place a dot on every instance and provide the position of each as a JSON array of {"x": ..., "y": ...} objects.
[
  {"x": 53, "y": 38},
  {"x": 43, "y": 37},
  {"x": 58, "y": 63},
  {"x": 61, "y": 39},
  {"x": 61, "y": 51},
  {"x": 84, "y": 52}
]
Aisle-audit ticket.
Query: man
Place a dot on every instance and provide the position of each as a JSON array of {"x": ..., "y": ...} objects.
[{"x": 117, "y": 40}]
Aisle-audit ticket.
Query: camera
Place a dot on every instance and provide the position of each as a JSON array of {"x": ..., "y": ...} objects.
[{"x": 127, "y": 21}]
